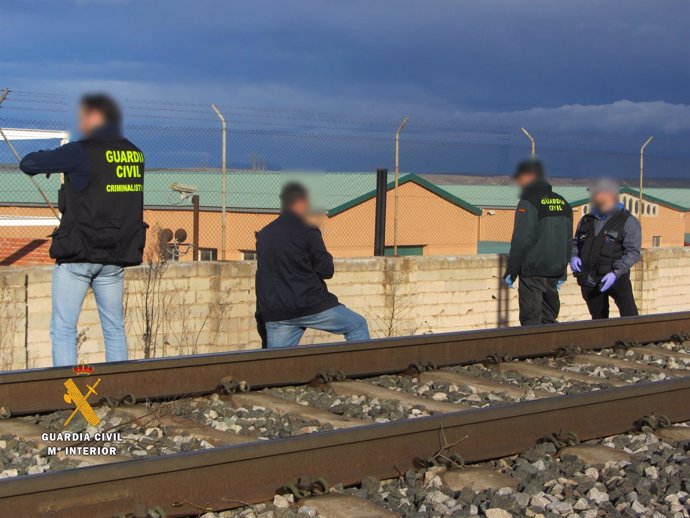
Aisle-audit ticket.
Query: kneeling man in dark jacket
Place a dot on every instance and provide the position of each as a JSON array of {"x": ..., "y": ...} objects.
[{"x": 293, "y": 264}]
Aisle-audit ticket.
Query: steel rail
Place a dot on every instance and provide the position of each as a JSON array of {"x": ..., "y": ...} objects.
[
  {"x": 227, "y": 477},
  {"x": 41, "y": 390}
]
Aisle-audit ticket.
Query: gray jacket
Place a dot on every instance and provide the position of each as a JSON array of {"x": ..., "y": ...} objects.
[{"x": 632, "y": 242}]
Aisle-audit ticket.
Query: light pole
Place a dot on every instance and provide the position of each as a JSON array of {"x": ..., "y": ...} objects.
[
  {"x": 223, "y": 181},
  {"x": 531, "y": 139},
  {"x": 646, "y": 143},
  {"x": 397, "y": 179}
]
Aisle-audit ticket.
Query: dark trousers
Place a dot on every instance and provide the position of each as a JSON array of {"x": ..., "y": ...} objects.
[
  {"x": 622, "y": 294},
  {"x": 539, "y": 300}
]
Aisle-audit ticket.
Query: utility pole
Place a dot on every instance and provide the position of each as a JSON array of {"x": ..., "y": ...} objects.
[
  {"x": 397, "y": 181},
  {"x": 531, "y": 139},
  {"x": 223, "y": 182},
  {"x": 646, "y": 143}
]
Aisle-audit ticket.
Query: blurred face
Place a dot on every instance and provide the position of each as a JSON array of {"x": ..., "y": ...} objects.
[
  {"x": 89, "y": 120},
  {"x": 525, "y": 179},
  {"x": 301, "y": 207},
  {"x": 316, "y": 219},
  {"x": 604, "y": 201}
]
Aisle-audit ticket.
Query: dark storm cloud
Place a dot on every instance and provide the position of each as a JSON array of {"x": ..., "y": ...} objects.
[{"x": 620, "y": 65}]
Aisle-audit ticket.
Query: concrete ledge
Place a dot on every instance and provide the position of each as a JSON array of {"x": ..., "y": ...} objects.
[{"x": 203, "y": 307}]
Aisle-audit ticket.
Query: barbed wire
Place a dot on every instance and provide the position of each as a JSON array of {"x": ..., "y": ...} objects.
[
  {"x": 253, "y": 114},
  {"x": 287, "y": 119},
  {"x": 277, "y": 122}
]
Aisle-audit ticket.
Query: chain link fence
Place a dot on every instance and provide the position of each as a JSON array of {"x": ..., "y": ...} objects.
[{"x": 454, "y": 195}]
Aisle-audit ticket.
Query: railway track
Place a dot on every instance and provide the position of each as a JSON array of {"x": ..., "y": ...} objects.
[{"x": 379, "y": 408}]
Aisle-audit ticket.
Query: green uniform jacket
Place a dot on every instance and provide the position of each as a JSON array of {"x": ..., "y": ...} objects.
[{"x": 542, "y": 235}]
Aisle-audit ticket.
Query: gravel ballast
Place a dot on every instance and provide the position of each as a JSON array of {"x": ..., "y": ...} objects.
[{"x": 656, "y": 484}]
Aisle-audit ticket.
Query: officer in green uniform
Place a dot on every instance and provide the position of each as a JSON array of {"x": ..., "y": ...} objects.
[
  {"x": 102, "y": 228},
  {"x": 540, "y": 247}
]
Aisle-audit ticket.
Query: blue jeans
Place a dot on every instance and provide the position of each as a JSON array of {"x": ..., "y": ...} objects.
[
  {"x": 71, "y": 281},
  {"x": 339, "y": 320}
]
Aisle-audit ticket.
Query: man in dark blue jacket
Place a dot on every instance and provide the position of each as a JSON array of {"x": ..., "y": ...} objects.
[
  {"x": 293, "y": 264},
  {"x": 101, "y": 230}
]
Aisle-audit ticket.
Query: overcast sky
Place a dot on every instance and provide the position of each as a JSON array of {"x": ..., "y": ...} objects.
[{"x": 617, "y": 66}]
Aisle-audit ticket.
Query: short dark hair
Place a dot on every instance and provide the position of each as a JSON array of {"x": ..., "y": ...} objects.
[
  {"x": 291, "y": 193},
  {"x": 531, "y": 165},
  {"x": 104, "y": 104}
]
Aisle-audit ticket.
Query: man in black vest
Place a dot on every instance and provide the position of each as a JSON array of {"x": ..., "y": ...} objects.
[
  {"x": 102, "y": 228},
  {"x": 606, "y": 246},
  {"x": 293, "y": 265},
  {"x": 540, "y": 246}
]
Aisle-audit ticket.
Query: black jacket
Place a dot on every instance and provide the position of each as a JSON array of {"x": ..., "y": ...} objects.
[
  {"x": 102, "y": 199},
  {"x": 292, "y": 265},
  {"x": 542, "y": 235},
  {"x": 72, "y": 159}
]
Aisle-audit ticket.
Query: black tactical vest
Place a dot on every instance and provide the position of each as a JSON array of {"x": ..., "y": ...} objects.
[
  {"x": 104, "y": 223},
  {"x": 599, "y": 252}
]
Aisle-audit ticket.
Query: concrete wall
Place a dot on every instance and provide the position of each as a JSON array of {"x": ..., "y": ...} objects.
[{"x": 209, "y": 307}]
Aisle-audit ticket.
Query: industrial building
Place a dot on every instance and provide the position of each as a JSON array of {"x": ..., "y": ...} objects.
[{"x": 434, "y": 218}]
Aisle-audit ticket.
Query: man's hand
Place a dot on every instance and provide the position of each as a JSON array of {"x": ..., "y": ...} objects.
[
  {"x": 576, "y": 264},
  {"x": 559, "y": 284},
  {"x": 509, "y": 281},
  {"x": 607, "y": 281}
]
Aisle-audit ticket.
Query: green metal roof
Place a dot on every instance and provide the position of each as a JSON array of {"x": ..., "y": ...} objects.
[
  {"x": 18, "y": 189},
  {"x": 245, "y": 190},
  {"x": 498, "y": 196},
  {"x": 333, "y": 191},
  {"x": 486, "y": 195},
  {"x": 252, "y": 190},
  {"x": 442, "y": 193},
  {"x": 663, "y": 196},
  {"x": 675, "y": 197}
]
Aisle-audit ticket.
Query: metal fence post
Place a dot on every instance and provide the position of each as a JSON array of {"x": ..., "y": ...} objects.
[
  {"x": 195, "y": 227},
  {"x": 397, "y": 181},
  {"x": 380, "y": 221},
  {"x": 223, "y": 183},
  {"x": 640, "y": 201},
  {"x": 532, "y": 142}
]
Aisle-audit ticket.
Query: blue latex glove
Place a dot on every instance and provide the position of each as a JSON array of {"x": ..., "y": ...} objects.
[
  {"x": 607, "y": 281},
  {"x": 576, "y": 264},
  {"x": 559, "y": 284},
  {"x": 509, "y": 281}
]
